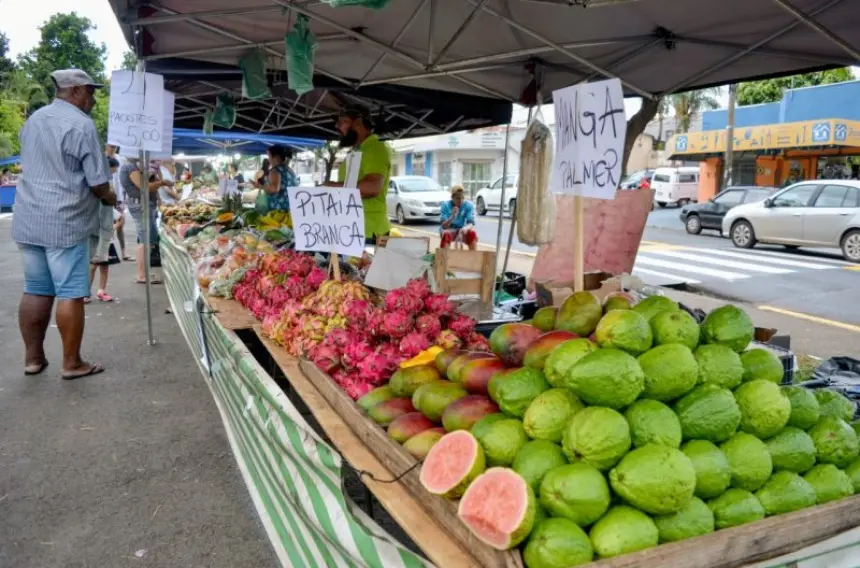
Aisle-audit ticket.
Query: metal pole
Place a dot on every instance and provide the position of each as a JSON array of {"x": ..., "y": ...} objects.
[
  {"x": 730, "y": 137},
  {"x": 147, "y": 238},
  {"x": 502, "y": 213}
]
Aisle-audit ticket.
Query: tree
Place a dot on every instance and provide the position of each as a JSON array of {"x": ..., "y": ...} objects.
[
  {"x": 328, "y": 155},
  {"x": 6, "y": 64},
  {"x": 100, "y": 111},
  {"x": 129, "y": 61},
  {"x": 689, "y": 104},
  {"x": 636, "y": 125},
  {"x": 770, "y": 90}
]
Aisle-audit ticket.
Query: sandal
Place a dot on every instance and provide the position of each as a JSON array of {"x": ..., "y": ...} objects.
[
  {"x": 31, "y": 370},
  {"x": 104, "y": 297},
  {"x": 93, "y": 370},
  {"x": 154, "y": 281},
  {"x": 128, "y": 258},
  {"x": 87, "y": 299}
]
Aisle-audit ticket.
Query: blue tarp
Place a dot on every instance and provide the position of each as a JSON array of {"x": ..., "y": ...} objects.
[
  {"x": 10, "y": 160},
  {"x": 188, "y": 141}
]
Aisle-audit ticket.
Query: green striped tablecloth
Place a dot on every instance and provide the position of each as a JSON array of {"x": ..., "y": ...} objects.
[{"x": 293, "y": 476}]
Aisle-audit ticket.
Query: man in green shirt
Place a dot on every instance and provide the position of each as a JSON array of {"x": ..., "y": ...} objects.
[{"x": 355, "y": 125}]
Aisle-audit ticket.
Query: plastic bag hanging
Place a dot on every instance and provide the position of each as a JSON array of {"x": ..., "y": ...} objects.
[
  {"x": 535, "y": 202},
  {"x": 255, "y": 83},
  {"x": 225, "y": 111},
  {"x": 301, "y": 45},
  {"x": 373, "y": 4},
  {"x": 208, "y": 122}
]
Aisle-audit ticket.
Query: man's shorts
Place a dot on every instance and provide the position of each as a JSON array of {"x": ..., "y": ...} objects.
[
  {"x": 100, "y": 248},
  {"x": 58, "y": 272}
]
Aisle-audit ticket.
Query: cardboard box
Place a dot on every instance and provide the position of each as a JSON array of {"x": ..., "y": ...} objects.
[{"x": 551, "y": 293}]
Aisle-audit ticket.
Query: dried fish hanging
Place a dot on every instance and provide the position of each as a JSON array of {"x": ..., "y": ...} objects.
[{"x": 535, "y": 202}]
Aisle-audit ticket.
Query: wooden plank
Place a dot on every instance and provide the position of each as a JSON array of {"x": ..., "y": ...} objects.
[
  {"x": 398, "y": 460},
  {"x": 434, "y": 540},
  {"x": 231, "y": 314},
  {"x": 739, "y": 546}
]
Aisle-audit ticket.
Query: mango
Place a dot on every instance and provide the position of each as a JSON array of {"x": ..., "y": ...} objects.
[
  {"x": 497, "y": 379},
  {"x": 407, "y": 425},
  {"x": 374, "y": 397},
  {"x": 465, "y": 412},
  {"x": 445, "y": 358},
  {"x": 385, "y": 412},
  {"x": 510, "y": 341},
  {"x": 455, "y": 369},
  {"x": 432, "y": 398},
  {"x": 405, "y": 381},
  {"x": 579, "y": 313},
  {"x": 419, "y": 445},
  {"x": 544, "y": 319},
  {"x": 540, "y": 349},
  {"x": 476, "y": 374}
]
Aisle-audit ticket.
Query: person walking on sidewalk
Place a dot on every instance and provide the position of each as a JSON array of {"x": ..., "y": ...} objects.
[
  {"x": 65, "y": 178},
  {"x": 116, "y": 161}
]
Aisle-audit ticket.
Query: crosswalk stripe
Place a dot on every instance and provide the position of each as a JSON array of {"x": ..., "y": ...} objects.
[
  {"x": 758, "y": 258},
  {"x": 672, "y": 277},
  {"x": 5, "y": 215},
  {"x": 722, "y": 274},
  {"x": 816, "y": 258},
  {"x": 721, "y": 262}
]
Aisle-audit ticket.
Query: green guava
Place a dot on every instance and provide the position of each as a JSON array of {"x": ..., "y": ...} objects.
[
  {"x": 835, "y": 441},
  {"x": 575, "y": 491},
  {"x": 834, "y": 404},
  {"x": 694, "y": 519},
  {"x": 625, "y": 330},
  {"x": 730, "y": 326},
  {"x": 579, "y": 313},
  {"x": 805, "y": 410},
  {"x": 519, "y": 389},
  {"x": 597, "y": 436},
  {"x": 829, "y": 482},
  {"x": 761, "y": 364},
  {"x": 606, "y": 377},
  {"x": 623, "y": 530},
  {"x": 719, "y": 365},
  {"x": 764, "y": 408},
  {"x": 562, "y": 359},
  {"x": 785, "y": 492},
  {"x": 708, "y": 413},
  {"x": 479, "y": 428},
  {"x": 653, "y": 305},
  {"x": 544, "y": 319},
  {"x": 792, "y": 450},
  {"x": 670, "y": 371},
  {"x": 536, "y": 458},
  {"x": 548, "y": 414},
  {"x": 557, "y": 543},
  {"x": 736, "y": 507},
  {"x": 657, "y": 479},
  {"x": 749, "y": 461},
  {"x": 713, "y": 473},
  {"x": 853, "y": 471},
  {"x": 653, "y": 422},
  {"x": 502, "y": 440},
  {"x": 675, "y": 327}
]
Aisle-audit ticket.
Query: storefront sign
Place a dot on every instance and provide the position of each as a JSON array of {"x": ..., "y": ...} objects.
[
  {"x": 328, "y": 219},
  {"x": 136, "y": 115},
  {"x": 590, "y": 126}
]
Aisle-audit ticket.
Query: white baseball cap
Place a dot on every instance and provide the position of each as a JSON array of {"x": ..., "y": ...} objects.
[{"x": 68, "y": 78}]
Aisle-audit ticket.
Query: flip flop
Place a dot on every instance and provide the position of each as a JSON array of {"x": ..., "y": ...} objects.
[
  {"x": 94, "y": 369},
  {"x": 87, "y": 299},
  {"x": 127, "y": 258},
  {"x": 38, "y": 371},
  {"x": 154, "y": 282},
  {"x": 104, "y": 297}
]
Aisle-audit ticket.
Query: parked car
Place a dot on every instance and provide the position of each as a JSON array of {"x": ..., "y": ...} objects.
[
  {"x": 815, "y": 213},
  {"x": 709, "y": 215},
  {"x": 634, "y": 180},
  {"x": 415, "y": 198},
  {"x": 678, "y": 186},
  {"x": 490, "y": 197}
]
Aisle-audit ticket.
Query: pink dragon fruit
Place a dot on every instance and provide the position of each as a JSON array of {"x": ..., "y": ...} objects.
[
  {"x": 356, "y": 390},
  {"x": 266, "y": 284},
  {"x": 355, "y": 353},
  {"x": 296, "y": 287},
  {"x": 401, "y": 300},
  {"x": 439, "y": 304},
  {"x": 396, "y": 324},
  {"x": 429, "y": 325},
  {"x": 356, "y": 312},
  {"x": 279, "y": 296},
  {"x": 258, "y": 307},
  {"x": 413, "y": 344},
  {"x": 291, "y": 309},
  {"x": 375, "y": 320},
  {"x": 418, "y": 287},
  {"x": 374, "y": 368},
  {"x": 391, "y": 352},
  {"x": 449, "y": 340},
  {"x": 269, "y": 321},
  {"x": 316, "y": 277},
  {"x": 462, "y": 325},
  {"x": 478, "y": 343},
  {"x": 325, "y": 357},
  {"x": 338, "y": 338}
]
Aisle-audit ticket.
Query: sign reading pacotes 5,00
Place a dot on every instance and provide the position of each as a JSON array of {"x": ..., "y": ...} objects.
[
  {"x": 328, "y": 219},
  {"x": 590, "y": 127},
  {"x": 137, "y": 111}
]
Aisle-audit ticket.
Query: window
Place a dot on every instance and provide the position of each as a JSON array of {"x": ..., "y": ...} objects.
[
  {"x": 445, "y": 174},
  {"x": 795, "y": 197},
  {"x": 831, "y": 196},
  {"x": 661, "y": 177},
  {"x": 756, "y": 195},
  {"x": 729, "y": 198},
  {"x": 852, "y": 198},
  {"x": 417, "y": 184},
  {"x": 476, "y": 176},
  {"x": 686, "y": 178}
]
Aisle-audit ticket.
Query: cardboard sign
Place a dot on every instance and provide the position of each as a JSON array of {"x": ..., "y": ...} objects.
[
  {"x": 136, "y": 115},
  {"x": 166, "y": 151},
  {"x": 328, "y": 219},
  {"x": 590, "y": 126},
  {"x": 353, "y": 164}
]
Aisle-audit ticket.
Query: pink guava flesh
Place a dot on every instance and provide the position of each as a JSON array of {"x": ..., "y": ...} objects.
[
  {"x": 494, "y": 506},
  {"x": 449, "y": 462}
]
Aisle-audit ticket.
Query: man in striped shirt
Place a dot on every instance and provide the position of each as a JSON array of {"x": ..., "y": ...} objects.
[{"x": 65, "y": 175}]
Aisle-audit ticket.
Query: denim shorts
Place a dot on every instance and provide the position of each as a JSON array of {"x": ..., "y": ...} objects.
[
  {"x": 63, "y": 273},
  {"x": 136, "y": 211}
]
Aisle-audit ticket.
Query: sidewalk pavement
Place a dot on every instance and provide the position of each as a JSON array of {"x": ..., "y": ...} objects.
[
  {"x": 810, "y": 335},
  {"x": 127, "y": 468}
]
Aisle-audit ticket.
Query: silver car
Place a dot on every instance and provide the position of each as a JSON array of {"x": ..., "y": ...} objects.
[
  {"x": 415, "y": 198},
  {"x": 817, "y": 213}
]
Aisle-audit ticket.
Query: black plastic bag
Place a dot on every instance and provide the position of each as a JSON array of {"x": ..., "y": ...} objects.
[{"x": 840, "y": 374}]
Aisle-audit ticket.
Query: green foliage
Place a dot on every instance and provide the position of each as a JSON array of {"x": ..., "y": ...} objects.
[
  {"x": 129, "y": 61},
  {"x": 100, "y": 111},
  {"x": 689, "y": 104},
  {"x": 6, "y": 64},
  {"x": 328, "y": 155},
  {"x": 770, "y": 90}
]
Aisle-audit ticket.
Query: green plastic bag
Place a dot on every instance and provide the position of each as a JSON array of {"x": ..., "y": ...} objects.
[
  {"x": 255, "y": 83},
  {"x": 373, "y": 4},
  {"x": 208, "y": 122},
  {"x": 261, "y": 205},
  {"x": 301, "y": 45},
  {"x": 225, "y": 111}
]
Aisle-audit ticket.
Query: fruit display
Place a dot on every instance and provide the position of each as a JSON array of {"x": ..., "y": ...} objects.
[{"x": 591, "y": 435}]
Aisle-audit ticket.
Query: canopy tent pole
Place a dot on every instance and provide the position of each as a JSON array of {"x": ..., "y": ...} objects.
[
  {"x": 143, "y": 156},
  {"x": 728, "y": 161},
  {"x": 502, "y": 214},
  {"x": 810, "y": 21}
]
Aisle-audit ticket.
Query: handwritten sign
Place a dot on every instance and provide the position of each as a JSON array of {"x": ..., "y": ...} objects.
[
  {"x": 136, "y": 114},
  {"x": 590, "y": 126},
  {"x": 327, "y": 219},
  {"x": 353, "y": 165},
  {"x": 166, "y": 151}
]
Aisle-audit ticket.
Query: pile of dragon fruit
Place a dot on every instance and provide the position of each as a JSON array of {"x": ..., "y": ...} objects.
[{"x": 277, "y": 280}]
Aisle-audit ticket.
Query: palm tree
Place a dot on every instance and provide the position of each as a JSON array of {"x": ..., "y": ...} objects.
[{"x": 689, "y": 104}]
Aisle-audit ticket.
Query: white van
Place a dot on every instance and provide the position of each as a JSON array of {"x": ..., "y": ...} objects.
[{"x": 678, "y": 186}]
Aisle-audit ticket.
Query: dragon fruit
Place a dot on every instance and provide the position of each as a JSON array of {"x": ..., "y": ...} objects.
[
  {"x": 462, "y": 325},
  {"x": 325, "y": 357},
  {"x": 478, "y": 343},
  {"x": 356, "y": 312},
  {"x": 374, "y": 368},
  {"x": 316, "y": 277},
  {"x": 258, "y": 307},
  {"x": 338, "y": 338},
  {"x": 391, "y": 352},
  {"x": 266, "y": 284},
  {"x": 279, "y": 296},
  {"x": 297, "y": 287},
  {"x": 396, "y": 324},
  {"x": 413, "y": 344},
  {"x": 269, "y": 322},
  {"x": 374, "y": 322},
  {"x": 439, "y": 304},
  {"x": 401, "y": 300},
  {"x": 429, "y": 325},
  {"x": 291, "y": 309},
  {"x": 355, "y": 353},
  {"x": 418, "y": 287},
  {"x": 449, "y": 340}
]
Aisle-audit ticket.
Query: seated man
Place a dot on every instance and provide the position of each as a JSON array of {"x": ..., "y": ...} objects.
[{"x": 458, "y": 220}]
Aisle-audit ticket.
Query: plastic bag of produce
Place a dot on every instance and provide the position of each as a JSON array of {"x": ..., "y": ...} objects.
[
  {"x": 535, "y": 208},
  {"x": 301, "y": 44},
  {"x": 225, "y": 111},
  {"x": 373, "y": 4},
  {"x": 255, "y": 83}
]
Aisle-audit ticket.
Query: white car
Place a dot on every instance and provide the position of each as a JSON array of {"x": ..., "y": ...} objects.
[
  {"x": 490, "y": 197},
  {"x": 415, "y": 198},
  {"x": 815, "y": 213},
  {"x": 675, "y": 186}
]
